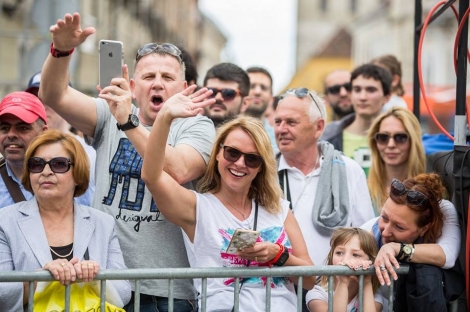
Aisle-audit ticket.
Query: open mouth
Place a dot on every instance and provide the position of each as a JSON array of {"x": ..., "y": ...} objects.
[
  {"x": 157, "y": 100},
  {"x": 236, "y": 173}
]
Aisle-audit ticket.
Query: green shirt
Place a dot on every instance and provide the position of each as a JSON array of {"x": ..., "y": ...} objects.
[{"x": 356, "y": 147}]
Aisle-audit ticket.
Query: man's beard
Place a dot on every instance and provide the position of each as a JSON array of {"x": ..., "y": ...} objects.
[
  {"x": 256, "y": 110},
  {"x": 340, "y": 112}
]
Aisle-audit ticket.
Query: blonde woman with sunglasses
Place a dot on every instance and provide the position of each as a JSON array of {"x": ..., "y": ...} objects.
[
  {"x": 238, "y": 191},
  {"x": 397, "y": 152}
]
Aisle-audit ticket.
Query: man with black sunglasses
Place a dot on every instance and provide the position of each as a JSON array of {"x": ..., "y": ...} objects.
[
  {"x": 119, "y": 131},
  {"x": 230, "y": 86},
  {"x": 338, "y": 93},
  {"x": 22, "y": 118}
]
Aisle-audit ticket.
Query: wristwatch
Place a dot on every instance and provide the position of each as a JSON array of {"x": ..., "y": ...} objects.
[
  {"x": 408, "y": 251},
  {"x": 282, "y": 258},
  {"x": 132, "y": 122}
]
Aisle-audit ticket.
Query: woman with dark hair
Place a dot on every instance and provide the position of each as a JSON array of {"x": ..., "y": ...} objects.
[{"x": 411, "y": 229}]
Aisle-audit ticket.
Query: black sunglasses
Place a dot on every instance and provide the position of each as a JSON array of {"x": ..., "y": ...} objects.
[
  {"x": 232, "y": 154},
  {"x": 57, "y": 164},
  {"x": 414, "y": 198},
  {"x": 165, "y": 47},
  {"x": 384, "y": 138},
  {"x": 337, "y": 88},
  {"x": 303, "y": 92},
  {"x": 227, "y": 94}
]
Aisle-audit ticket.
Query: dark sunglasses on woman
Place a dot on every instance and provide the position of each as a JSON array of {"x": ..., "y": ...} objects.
[
  {"x": 57, "y": 164},
  {"x": 384, "y": 138},
  {"x": 227, "y": 94},
  {"x": 232, "y": 154},
  {"x": 414, "y": 198}
]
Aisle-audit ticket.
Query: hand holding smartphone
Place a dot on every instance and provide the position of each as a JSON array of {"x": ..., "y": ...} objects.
[
  {"x": 242, "y": 238},
  {"x": 111, "y": 61}
]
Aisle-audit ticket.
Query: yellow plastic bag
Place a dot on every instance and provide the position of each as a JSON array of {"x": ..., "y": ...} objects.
[{"x": 50, "y": 297}]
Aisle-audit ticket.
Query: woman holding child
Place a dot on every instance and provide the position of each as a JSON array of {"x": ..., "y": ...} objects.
[{"x": 238, "y": 190}]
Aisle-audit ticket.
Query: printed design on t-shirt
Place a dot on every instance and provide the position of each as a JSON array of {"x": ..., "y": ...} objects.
[
  {"x": 274, "y": 234},
  {"x": 124, "y": 169}
]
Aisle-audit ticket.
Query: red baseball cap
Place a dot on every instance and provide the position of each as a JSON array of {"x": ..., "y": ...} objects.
[{"x": 23, "y": 105}]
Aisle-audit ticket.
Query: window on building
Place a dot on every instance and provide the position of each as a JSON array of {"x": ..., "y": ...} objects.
[
  {"x": 353, "y": 6},
  {"x": 324, "y": 5}
]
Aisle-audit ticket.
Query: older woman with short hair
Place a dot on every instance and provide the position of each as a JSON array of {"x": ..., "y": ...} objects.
[{"x": 51, "y": 231}]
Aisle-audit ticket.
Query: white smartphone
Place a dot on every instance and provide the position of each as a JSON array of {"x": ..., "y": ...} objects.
[
  {"x": 111, "y": 60},
  {"x": 242, "y": 238}
]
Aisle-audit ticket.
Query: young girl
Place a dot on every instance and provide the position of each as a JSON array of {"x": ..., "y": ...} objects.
[{"x": 356, "y": 249}]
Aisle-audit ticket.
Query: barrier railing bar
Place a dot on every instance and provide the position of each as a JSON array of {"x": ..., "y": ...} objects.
[
  {"x": 67, "y": 297},
  {"x": 204, "y": 295},
  {"x": 300, "y": 283},
  {"x": 330, "y": 292},
  {"x": 184, "y": 273},
  {"x": 103, "y": 295},
  {"x": 136, "y": 295},
  {"x": 236, "y": 295},
  {"x": 171, "y": 284},
  {"x": 361, "y": 293},
  {"x": 31, "y": 296},
  {"x": 268, "y": 294},
  {"x": 390, "y": 296}
]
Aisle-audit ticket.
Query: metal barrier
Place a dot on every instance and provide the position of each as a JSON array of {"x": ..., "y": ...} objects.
[{"x": 204, "y": 273}]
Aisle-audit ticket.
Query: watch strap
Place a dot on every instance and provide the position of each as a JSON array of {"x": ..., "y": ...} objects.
[
  {"x": 400, "y": 253},
  {"x": 128, "y": 125},
  {"x": 278, "y": 255},
  {"x": 408, "y": 258},
  {"x": 57, "y": 53}
]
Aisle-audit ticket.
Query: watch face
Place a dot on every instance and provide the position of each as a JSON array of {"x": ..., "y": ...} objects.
[
  {"x": 407, "y": 249},
  {"x": 134, "y": 120}
]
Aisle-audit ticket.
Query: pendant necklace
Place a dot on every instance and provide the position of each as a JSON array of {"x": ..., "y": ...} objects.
[
  {"x": 243, "y": 215},
  {"x": 61, "y": 256}
]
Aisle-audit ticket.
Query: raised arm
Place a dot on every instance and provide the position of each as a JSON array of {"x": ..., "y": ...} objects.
[
  {"x": 75, "y": 107},
  {"x": 175, "y": 202}
]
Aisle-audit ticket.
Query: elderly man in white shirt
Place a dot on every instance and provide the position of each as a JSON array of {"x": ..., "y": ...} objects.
[{"x": 326, "y": 189}]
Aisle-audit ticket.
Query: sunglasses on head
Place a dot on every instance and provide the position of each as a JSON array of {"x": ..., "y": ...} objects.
[
  {"x": 227, "y": 94},
  {"x": 414, "y": 198},
  {"x": 165, "y": 47},
  {"x": 232, "y": 154},
  {"x": 337, "y": 88},
  {"x": 384, "y": 138},
  {"x": 57, "y": 164},
  {"x": 303, "y": 92}
]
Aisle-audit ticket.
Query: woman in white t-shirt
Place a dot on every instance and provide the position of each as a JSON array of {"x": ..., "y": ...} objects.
[
  {"x": 238, "y": 190},
  {"x": 355, "y": 248}
]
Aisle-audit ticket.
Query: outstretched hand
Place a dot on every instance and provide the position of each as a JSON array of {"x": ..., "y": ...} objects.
[
  {"x": 68, "y": 34},
  {"x": 186, "y": 103}
]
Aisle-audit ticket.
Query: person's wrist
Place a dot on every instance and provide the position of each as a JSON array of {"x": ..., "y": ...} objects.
[{"x": 61, "y": 48}]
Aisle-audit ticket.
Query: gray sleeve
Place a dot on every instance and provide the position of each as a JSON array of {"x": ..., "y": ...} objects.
[{"x": 197, "y": 132}]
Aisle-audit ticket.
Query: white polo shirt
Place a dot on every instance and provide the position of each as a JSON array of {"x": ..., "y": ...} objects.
[{"x": 302, "y": 193}]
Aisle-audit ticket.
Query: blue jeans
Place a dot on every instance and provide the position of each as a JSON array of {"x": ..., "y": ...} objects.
[{"x": 160, "y": 304}]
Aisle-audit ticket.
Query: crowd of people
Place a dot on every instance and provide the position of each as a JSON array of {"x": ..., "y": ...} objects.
[{"x": 348, "y": 190}]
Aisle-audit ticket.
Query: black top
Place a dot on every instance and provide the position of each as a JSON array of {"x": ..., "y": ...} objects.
[{"x": 62, "y": 252}]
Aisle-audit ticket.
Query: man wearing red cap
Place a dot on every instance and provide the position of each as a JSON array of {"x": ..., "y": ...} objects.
[{"x": 22, "y": 118}]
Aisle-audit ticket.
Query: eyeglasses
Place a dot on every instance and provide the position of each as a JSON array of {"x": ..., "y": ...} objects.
[
  {"x": 165, "y": 47},
  {"x": 57, "y": 164},
  {"x": 384, "y": 138},
  {"x": 227, "y": 94},
  {"x": 303, "y": 92},
  {"x": 232, "y": 154},
  {"x": 414, "y": 198},
  {"x": 337, "y": 88}
]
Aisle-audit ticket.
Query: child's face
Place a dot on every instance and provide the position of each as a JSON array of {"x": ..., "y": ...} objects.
[{"x": 350, "y": 250}]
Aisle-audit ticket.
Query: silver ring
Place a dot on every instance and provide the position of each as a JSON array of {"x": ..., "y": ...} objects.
[
  {"x": 382, "y": 268},
  {"x": 63, "y": 264},
  {"x": 190, "y": 97},
  {"x": 256, "y": 259}
]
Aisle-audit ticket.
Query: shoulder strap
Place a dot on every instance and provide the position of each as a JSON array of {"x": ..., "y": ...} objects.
[{"x": 11, "y": 185}]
